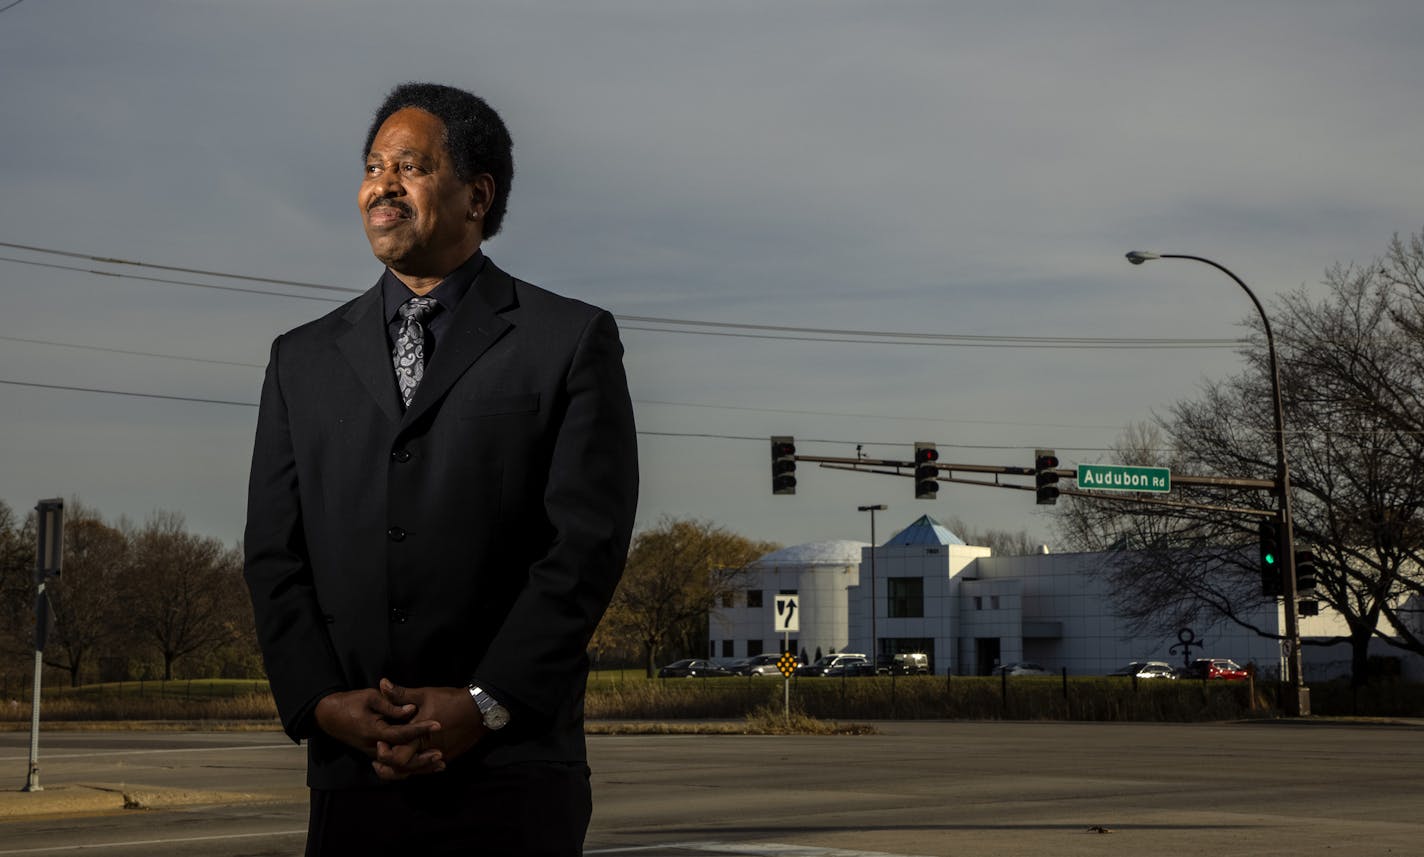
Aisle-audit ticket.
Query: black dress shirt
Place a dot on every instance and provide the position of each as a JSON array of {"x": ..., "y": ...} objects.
[{"x": 448, "y": 295}]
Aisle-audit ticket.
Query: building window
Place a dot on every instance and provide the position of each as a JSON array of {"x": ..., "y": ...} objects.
[
  {"x": 727, "y": 649},
  {"x": 993, "y": 602},
  {"x": 753, "y": 648},
  {"x": 978, "y": 603},
  {"x": 729, "y": 599},
  {"x": 907, "y": 597},
  {"x": 753, "y": 597}
]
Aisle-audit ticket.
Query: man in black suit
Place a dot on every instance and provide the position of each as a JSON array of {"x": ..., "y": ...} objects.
[{"x": 443, "y": 488}]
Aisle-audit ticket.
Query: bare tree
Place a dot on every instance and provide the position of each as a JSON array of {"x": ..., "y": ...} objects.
[
  {"x": 186, "y": 590},
  {"x": 677, "y": 573},
  {"x": 1352, "y": 373},
  {"x": 1001, "y": 542},
  {"x": 17, "y": 589},
  {"x": 86, "y": 596}
]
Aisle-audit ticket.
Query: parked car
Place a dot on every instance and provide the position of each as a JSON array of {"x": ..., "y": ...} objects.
[
  {"x": 756, "y": 665},
  {"x": 1212, "y": 668},
  {"x": 1147, "y": 669},
  {"x": 863, "y": 668},
  {"x": 693, "y": 668},
  {"x": 1020, "y": 668},
  {"x": 851, "y": 666},
  {"x": 908, "y": 663},
  {"x": 837, "y": 662}
]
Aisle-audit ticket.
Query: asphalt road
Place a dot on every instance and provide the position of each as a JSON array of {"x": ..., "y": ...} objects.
[{"x": 963, "y": 789}]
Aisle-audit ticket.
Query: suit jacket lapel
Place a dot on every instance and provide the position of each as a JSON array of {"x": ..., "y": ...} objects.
[
  {"x": 473, "y": 330},
  {"x": 364, "y": 347}
]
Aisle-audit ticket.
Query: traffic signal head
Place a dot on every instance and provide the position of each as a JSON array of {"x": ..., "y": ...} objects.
[
  {"x": 1271, "y": 560},
  {"x": 1305, "y": 574},
  {"x": 783, "y": 465},
  {"x": 1045, "y": 481},
  {"x": 926, "y": 474}
]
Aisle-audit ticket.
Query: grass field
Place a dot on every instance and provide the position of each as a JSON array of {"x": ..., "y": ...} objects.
[{"x": 629, "y": 695}]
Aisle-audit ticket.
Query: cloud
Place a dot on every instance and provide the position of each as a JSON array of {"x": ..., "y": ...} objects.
[{"x": 924, "y": 167}]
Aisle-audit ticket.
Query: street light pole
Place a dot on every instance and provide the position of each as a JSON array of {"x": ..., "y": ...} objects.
[
  {"x": 1297, "y": 702},
  {"x": 874, "y": 652}
]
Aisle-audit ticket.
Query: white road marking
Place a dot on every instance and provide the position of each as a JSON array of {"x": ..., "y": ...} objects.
[
  {"x": 51, "y": 849},
  {"x": 751, "y": 849},
  {"x": 94, "y": 755}
]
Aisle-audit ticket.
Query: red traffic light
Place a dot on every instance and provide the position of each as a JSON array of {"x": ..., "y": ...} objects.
[
  {"x": 926, "y": 473},
  {"x": 1045, "y": 462},
  {"x": 783, "y": 465}
]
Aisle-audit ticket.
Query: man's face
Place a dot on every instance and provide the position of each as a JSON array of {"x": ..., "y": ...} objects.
[{"x": 417, "y": 212}]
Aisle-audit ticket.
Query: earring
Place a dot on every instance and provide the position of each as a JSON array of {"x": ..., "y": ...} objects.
[{"x": 475, "y": 215}]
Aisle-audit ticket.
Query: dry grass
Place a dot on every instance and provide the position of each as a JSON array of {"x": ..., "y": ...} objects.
[
  {"x": 770, "y": 720},
  {"x": 730, "y": 702},
  {"x": 929, "y": 697},
  {"x": 219, "y": 700}
]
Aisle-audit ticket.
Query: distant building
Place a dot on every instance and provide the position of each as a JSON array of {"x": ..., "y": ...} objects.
[
  {"x": 820, "y": 574},
  {"x": 970, "y": 611}
]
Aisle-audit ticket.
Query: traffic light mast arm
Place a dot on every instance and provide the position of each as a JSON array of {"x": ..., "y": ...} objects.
[
  {"x": 849, "y": 464},
  {"x": 1065, "y": 472}
]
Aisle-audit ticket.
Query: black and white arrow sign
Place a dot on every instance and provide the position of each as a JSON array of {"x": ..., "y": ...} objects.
[{"x": 787, "y": 614}]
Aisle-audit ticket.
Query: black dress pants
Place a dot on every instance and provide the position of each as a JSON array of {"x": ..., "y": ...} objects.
[{"x": 531, "y": 809}]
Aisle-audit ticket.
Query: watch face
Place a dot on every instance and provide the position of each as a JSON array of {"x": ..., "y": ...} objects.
[{"x": 497, "y": 717}]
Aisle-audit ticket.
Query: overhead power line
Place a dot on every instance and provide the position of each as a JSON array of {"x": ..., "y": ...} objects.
[
  {"x": 660, "y": 402},
  {"x": 648, "y": 433},
  {"x": 666, "y": 325},
  {"x": 181, "y": 357},
  {"x": 169, "y": 282},
  {"x": 127, "y": 393},
  {"x": 951, "y": 341},
  {"x": 114, "y": 260}
]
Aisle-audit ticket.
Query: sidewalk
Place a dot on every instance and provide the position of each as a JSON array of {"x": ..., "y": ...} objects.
[{"x": 100, "y": 798}]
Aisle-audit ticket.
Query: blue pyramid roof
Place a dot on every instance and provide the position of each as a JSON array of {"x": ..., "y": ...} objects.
[{"x": 925, "y": 531}]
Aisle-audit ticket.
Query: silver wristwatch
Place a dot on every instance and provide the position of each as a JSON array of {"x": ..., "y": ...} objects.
[{"x": 496, "y": 716}]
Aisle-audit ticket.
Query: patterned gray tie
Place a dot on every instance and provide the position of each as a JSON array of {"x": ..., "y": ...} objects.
[{"x": 409, "y": 352}]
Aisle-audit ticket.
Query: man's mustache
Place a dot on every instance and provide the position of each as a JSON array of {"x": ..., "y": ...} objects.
[{"x": 391, "y": 203}]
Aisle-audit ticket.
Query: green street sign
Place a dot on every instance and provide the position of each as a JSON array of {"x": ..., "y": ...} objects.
[{"x": 1115, "y": 477}]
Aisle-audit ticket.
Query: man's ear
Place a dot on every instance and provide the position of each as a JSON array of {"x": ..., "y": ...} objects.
[{"x": 481, "y": 195}]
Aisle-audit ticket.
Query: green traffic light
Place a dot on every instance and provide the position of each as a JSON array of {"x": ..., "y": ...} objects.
[{"x": 1270, "y": 559}]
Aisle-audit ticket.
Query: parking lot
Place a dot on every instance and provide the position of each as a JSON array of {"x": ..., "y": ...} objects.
[{"x": 917, "y": 788}]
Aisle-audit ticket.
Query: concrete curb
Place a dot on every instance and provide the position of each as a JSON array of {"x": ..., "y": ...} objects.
[{"x": 97, "y": 798}]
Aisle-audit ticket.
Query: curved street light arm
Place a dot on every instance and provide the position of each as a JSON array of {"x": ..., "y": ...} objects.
[{"x": 1298, "y": 702}]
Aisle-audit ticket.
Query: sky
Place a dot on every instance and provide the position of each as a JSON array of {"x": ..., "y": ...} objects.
[{"x": 928, "y": 168}]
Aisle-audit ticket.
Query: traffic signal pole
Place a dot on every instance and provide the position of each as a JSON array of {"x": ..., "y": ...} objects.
[{"x": 1297, "y": 702}]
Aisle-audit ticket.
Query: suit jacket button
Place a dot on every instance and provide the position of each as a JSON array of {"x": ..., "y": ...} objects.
[
  {"x": 396, "y": 534},
  {"x": 398, "y": 616},
  {"x": 400, "y": 456}
]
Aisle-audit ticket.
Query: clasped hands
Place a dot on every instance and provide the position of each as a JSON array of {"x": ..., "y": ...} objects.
[{"x": 407, "y": 731}]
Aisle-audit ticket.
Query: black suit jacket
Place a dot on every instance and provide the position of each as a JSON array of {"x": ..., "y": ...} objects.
[{"x": 477, "y": 535}]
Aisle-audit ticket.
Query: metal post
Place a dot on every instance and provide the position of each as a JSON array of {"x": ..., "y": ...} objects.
[
  {"x": 786, "y": 679},
  {"x": 32, "y": 782},
  {"x": 874, "y": 650},
  {"x": 49, "y": 553},
  {"x": 1297, "y": 701}
]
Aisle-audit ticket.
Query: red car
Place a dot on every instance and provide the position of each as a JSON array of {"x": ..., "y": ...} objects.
[{"x": 1207, "y": 668}]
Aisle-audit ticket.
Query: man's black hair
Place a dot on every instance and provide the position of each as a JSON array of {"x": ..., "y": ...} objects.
[{"x": 475, "y": 137}]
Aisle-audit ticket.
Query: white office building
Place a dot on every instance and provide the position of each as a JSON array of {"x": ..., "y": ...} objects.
[{"x": 970, "y": 611}]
